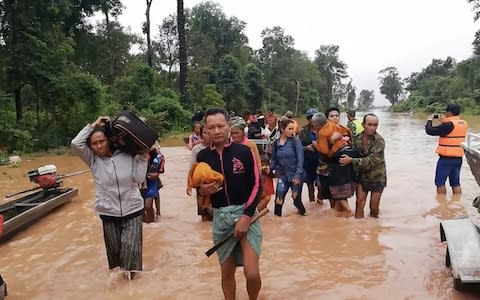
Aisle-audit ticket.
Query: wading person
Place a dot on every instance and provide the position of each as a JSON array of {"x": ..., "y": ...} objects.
[
  {"x": 287, "y": 162},
  {"x": 151, "y": 191},
  {"x": 204, "y": 212},
  {"x": 370, "y": 166},
  {"x": 194, "y": 138},
  {"x": 451, "y": 131},
  {"x": 354, "y": 124},
  {"x": 117, "y": 197},
  {"x": 237, "y": 133},
  {"x": 334, "y": 140},
  {"x": 234, "y": 204},
  {"x": 308, "y": 137}
]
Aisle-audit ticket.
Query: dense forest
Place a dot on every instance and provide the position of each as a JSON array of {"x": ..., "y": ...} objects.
[{"x": 59, "y": 70}]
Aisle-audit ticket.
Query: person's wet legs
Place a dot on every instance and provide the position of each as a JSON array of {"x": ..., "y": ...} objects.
[
  {"x": 441, "y": 189},
  {"x": 228, "y": 278},
  {"x": 157, "y": 207},
  {"x": 375, "y": 203},
  {"x": 360, "y": 203},
  {"x": 297, "y": 198},
  {"x": 311, "y": 192},
  {"x": 251, "y": 269},
  {"x": 345, "y": 210},
  {"x": 148, "y": 214},
  {"x": 280, "y": 193},
  {"x": 457, "y": 189}
]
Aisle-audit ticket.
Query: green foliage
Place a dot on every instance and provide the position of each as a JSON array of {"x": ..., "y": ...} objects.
[
  {"x": 443, "y": 82},
  {"x": 58, "y": 71},
  {"x": 168, "y": 103},
  {"x": 137, "y": 87},
  {"x": 212, "y": 98},
  {"x": 230, "y": 83},
  {"x": 254, "y": 86},
  {"x": 212, "y": 34},
  {"x": 391, "y": 85},
  {"x": 365, "y": 99},
  {"x": 332, "y": 69},
  {"x": 12, "y": 136}
]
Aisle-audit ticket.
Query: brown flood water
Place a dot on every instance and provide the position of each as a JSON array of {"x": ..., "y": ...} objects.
[{"x": 398, "y": 256}]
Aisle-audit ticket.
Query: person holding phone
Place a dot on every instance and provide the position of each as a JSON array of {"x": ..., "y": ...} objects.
[{"x": 451, "y": 132}]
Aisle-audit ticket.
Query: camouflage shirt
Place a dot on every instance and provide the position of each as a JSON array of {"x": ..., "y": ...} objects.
[{"x": 371, "y": 164}]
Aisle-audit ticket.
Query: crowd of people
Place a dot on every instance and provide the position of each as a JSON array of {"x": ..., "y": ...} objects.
[
  {"x": 335, "y": 161},
  {"x": 235, "y": 176},
  {"x": 234, "y": 179}
]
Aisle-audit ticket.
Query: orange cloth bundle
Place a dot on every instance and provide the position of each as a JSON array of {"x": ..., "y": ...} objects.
[{"x": 202, "y": 173}]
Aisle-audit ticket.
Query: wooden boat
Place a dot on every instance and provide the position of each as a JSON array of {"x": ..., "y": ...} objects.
[
  {"x": 461, "y": 234},
  {"x": 21, "y": 213}
]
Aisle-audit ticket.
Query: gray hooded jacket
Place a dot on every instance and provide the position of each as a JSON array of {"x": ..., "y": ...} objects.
[{"x": 116, "y": 177}]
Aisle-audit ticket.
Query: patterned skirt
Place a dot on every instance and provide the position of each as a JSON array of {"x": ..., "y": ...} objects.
[{"x": 123, "y": 242}]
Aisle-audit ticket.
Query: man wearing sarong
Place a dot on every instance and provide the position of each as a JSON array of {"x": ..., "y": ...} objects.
[
  {"x": 234, "y": 203},
  {"x": 372, "y": 173}
]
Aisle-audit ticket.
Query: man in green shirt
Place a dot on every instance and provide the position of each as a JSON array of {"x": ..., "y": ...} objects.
[{"x": 371, "y": 169}]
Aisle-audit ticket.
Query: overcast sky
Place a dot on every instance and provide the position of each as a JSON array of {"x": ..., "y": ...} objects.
[{"x": 372, "y": 34}]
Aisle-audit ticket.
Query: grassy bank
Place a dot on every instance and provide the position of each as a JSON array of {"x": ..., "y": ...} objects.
[{"x": 174, "y": 139}]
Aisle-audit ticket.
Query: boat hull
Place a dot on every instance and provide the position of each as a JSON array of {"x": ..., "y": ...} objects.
[
  {"x": 21, "y": 213},
  {"x": 472, "y": 154}
]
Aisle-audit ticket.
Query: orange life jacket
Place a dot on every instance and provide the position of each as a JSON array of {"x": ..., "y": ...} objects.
[{"x": 449, "y": 145}]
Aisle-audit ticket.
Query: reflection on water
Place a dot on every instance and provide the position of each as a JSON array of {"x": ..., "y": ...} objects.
[{"x": 398, "y": 256}]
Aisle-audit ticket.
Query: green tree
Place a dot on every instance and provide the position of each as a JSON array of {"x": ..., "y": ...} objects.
[
  {"x": 166, "y": 45},
  {"x": 276, "y": 61},
  {"x": 212, "y": 35},
  {"x": 391, "y": 85},
  {"x": 351, "y": 95},
  {"x": 365, "y": 99},
  {"x": 95, "y": 52},
  {"x": 230, "y": 84},
  {"x": 136, "y": 87},
  {"x": 254, "y": 86},
  {"x": 212, "y": 98},
  {"x": 332, "y": 69}
]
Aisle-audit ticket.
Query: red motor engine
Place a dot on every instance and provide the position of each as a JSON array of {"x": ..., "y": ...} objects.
[{"x": 45, "y": 177}]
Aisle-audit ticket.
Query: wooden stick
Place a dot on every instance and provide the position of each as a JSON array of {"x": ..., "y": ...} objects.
[{"x": 220, "y": 244}]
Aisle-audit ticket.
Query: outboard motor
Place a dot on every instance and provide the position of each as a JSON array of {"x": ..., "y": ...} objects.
[{"x": 45, "y": 177}]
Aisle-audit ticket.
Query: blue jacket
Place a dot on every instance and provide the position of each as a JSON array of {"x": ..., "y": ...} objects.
[{"x": 287, "y": 159}]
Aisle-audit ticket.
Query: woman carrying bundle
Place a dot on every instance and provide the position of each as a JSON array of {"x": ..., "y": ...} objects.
[{"x": 117, "y": 198}]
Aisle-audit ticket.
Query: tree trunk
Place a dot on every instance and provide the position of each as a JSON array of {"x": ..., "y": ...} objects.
[
  {"x": 147, "y": 32},
  {"x": 18, "y": 104},
  {"x": 182, "y": 54},
  {"x": 297, "y": 84},
  {"x": 113, "y": 63}
]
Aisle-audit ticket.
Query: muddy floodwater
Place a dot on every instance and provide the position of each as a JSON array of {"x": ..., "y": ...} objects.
[{"x": 319, "y": 256}]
